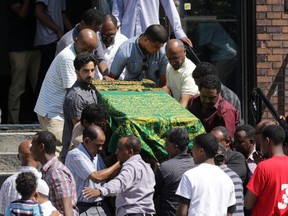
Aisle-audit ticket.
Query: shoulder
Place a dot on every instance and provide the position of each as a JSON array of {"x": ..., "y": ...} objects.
[
  {"x": 224, "y": 105},
  {"x": 235, "y": 155},
  {"x": 189, "y": 64}
]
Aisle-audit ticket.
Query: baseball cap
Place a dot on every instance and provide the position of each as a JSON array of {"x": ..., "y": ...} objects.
[
  {"x": 42, "y": 187},
  {"x": 221, "y": 153}
]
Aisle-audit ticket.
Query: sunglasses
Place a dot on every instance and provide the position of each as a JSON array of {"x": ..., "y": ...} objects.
[{"x": 145, "y": 64}]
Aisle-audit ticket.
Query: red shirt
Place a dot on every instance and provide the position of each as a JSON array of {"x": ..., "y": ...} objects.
[
  {"x": 270, "y": 184},
  {"x": 221, "y": 114}
]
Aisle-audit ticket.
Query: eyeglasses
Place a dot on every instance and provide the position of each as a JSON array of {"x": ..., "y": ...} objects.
[
  {"x": 145, "y": 64},
  {"x": 108, "y": 35}
]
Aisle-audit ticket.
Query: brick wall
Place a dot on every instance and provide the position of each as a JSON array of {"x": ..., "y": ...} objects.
[{"x": 272, "y": 53}]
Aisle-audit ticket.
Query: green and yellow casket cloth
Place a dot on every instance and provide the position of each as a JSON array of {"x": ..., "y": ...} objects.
[{"x": 149, "y": 115}]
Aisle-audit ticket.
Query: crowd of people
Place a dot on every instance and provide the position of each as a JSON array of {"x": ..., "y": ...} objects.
[{"x": 231, "y": 169}]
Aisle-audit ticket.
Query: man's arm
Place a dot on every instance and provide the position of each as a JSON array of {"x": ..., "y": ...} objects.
[
  {"x": 118, "y": 64},
  {"x": 21, "y": 9},
  {"x": 250, "y": 200},
  {"x": 182, "y": 209},
  {"x": 63, "y": 191},
  {"x": 231, "y": 210},
  {"x": 46, "y": 20},
  {"x": 66, "y": 21},
  {"x": 118, "y": 10},
  {"x": 103, "y": 68},
  {"x": 175, "y": 21},
  {"x": 99, "y": 176},
  {"x": 67, "y": 206},
  {"x": 184, "y": 98},
  {"x": 163, "y": 80}
]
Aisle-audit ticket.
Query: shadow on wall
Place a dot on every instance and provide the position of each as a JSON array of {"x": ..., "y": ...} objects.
[{"x": 279, "y": 82}]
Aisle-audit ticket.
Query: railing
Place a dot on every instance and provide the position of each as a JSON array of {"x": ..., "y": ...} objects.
[{"x": 258, "y": 98}]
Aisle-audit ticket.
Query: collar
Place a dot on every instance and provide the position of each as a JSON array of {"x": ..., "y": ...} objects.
[
  {"x": 181, "y": 155},
  {"x": 182, "y": 68},
  {"x": 48, "y": 164},
  {"x": 139, "y": 47},
  {"x": 250, "y": 158},
  {"x": 84, "y": 86},
  {"x": 82, "y": 148},
  {"x": 136, "y": 157},
  {"x": 216, "y": 105},
  {"x": 75, "y": 32}
]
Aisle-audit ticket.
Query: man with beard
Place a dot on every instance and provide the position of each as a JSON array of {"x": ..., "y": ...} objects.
[
  {"x": 211, "y": 109},
  {"x": 79, "y": 96},
  {"x": 110, "y": 39},
  {"x": 180, "y": 82}
]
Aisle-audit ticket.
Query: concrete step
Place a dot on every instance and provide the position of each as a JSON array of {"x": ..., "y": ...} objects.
[{"x": 10, "y": 138}]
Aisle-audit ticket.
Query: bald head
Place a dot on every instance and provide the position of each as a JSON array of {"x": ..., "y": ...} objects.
[
  {"x": 86, "y": 41},
  {"x": 24, "y": 154},
  {"x": 258, "y": 130},
  {"x": 174, "y": 45},
  {"x": 175, "y": 52},
  {"x": 93, "y": 132},
  {"x": 261, "y": 125}
]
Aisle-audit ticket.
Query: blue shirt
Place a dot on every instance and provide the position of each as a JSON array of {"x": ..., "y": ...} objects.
[
  {"x": 23, "y": 207},
  {"x": 130, "y": 57},
  {"x": 82, "y": 165},
  {"x": 134, "y": 16}
]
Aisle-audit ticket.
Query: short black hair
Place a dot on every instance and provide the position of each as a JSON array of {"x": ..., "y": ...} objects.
[
  {"x": 156, "y": 33},
  {"x": 223, "y": 130},
  {"x": 203, "y": 69},
  {"x": 208, "y": 142},
  {"x": 249, "y": 130},
  {"x": 210, "y": 82},
  {"x": 92, "y": 15},
  {"x": 94, "y": 113},
  {"x": 26, "y": 184},
  {"x": 83, "y": 59},
  {"x": 91, "y": 132},
  {"x": 110, "y": 17},
  {"x": 275, "y": 133},
  {"x": 179, "y": 137},
  {"x": 134, "y": 143},
  {"x": 48, "y": 139}
]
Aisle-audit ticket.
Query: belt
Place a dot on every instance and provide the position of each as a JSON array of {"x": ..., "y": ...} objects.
[
  {"x": 140, "y": 214},
  {"x": 85, "y": 204}
]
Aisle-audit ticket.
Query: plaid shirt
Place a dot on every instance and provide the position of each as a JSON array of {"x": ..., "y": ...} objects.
[{"x": 61, "y": 183}]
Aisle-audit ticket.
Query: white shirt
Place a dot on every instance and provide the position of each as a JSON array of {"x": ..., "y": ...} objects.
[
  {"x": 209, "y": 189},
  {"x": 181, "y": 81},
  {"x": 60, "y": 76},
  {"x": 109, "y": 52},
  {"x": 47, "y": 208},
  {"x": 8, "y": 192}
]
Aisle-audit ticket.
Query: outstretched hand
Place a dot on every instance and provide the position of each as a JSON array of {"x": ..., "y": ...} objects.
[
  {"x": 109, "y": 79},
  {"x": 187, "y": 40},
  {"x": 91, "y": 193}
]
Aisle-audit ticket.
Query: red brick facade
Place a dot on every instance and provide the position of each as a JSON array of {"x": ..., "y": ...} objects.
[{"x": 272, "y": 53}]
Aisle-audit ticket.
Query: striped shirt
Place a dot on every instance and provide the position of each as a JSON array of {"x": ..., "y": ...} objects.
[
  {"x": 8, "y": 192},
  {"x": 60, "y": 76},
  {"x": 82, "y": 165},
  {"x": 238, "y": 190},
  {"x": 23, "y": 207},
  {"x": 61, "y": 184}
]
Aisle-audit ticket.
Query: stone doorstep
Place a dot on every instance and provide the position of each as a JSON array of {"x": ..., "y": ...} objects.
[{"x": 9, "y": 142}]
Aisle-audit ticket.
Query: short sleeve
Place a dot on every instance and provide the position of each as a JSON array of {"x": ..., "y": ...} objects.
[{"x": 184, "y": 189}]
